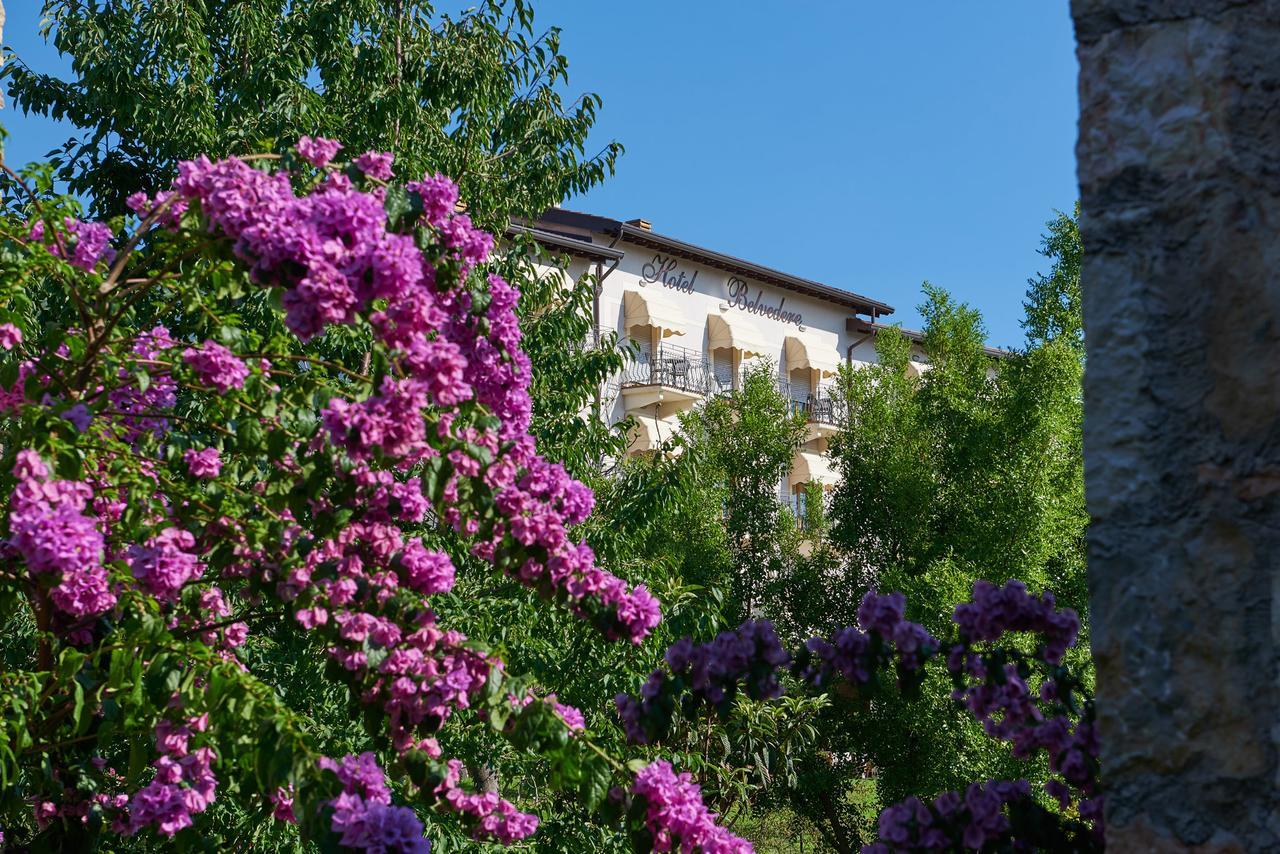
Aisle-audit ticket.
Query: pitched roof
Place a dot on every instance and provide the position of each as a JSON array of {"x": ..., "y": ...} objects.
[{"x": 640, "y": 236}]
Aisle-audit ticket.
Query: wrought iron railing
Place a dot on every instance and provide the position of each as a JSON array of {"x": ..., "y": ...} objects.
[
  {"x": 798, "y": 504},
  {"x": 674, "y": 367},
  {"x": 816, "y": 407}
]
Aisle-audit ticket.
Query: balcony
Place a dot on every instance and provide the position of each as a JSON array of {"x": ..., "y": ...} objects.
[
  {"x": 670, "y": 376},
  {"x": 818, "y": 409},
  {"x": 798, "y": 504}
]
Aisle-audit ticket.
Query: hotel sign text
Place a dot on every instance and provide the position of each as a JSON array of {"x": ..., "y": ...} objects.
[
  {"x": 740, "y": 297},
  {"x": 664, "y": 270}
]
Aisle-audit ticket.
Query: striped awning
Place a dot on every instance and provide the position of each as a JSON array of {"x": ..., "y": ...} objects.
[
  {"x": 810, "y": 467},
  {"x": 811, "y": 349},
  {"x": 653, "y": 308},
  {"x": 648, "y": 434},
  {"x": 736, "y": 331}
]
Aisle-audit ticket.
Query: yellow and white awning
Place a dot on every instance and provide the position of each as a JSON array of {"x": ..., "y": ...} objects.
[
  {"x": 736, "y": 331},
  {"x": 810, "y": 467},
  {"x": 653, "y": 308},
  {"x": 810, "y": 349},
  {"x": 918, "y": 369},
  {"x": 648, "y": 434}
]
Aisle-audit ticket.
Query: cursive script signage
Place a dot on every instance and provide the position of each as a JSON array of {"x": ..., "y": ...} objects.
[
  {"x": 663, "y": 269},
  {"x": 740, "y": 297}
]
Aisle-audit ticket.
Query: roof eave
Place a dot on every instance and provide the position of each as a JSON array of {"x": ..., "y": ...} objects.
[
  {"x": 729, "y": 263},
  {"x": 580, "y": 248}
]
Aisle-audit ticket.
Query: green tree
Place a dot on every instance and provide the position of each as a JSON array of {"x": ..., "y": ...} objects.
[
  {"x": 1053, "y": 310},
  {"x": 971, "y": 470},
  {"x": 477, "y": 96},
  {"x": 749, "y": 438}
]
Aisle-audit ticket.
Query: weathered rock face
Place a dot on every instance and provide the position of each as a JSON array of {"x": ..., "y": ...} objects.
[{"x": 1179, "y": 164}]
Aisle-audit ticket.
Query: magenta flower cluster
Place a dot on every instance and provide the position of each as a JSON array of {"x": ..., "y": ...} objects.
[
  {"x": 49, "y": 528},
  {"x": 442, "y": 437},
  {"x": 317, "y": 151},
  {"x": 10, "y": 336},
  {"x": 205, "y": 463},
  {"x": 364, "y": 817},
  {"x": 490, "y": 816},
  {"x": 184, "y": 783},
  {"x": 333, "y": 253},
  {"x": 170, "y": 207},
  {"x": 375, "y": 164},
  {"x": 165, "y": 563},
  {"x": 143, "y": 411},
  {"x": 676, "y": 817},
  {"x": 751, "y": 656},
  {"x": 974, "y": 820},
  {"x": 81, "y": 244},
  {"x": 216, "y": 366}
]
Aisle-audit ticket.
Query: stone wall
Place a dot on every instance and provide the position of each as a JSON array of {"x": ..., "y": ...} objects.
[{"x": 1179, "y": 166}]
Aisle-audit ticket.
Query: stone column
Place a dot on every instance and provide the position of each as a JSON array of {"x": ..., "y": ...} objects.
[{"x": 1179, "y": 166}]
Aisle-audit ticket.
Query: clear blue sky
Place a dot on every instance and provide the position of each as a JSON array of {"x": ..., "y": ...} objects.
[{"x": 867, "y": 145}]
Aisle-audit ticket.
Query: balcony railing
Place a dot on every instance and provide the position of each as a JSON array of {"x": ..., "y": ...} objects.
[
  {"x": 798, "y": 504},
  {"x": 674, "y": 367},
  {"x": 815, "y": 407}
]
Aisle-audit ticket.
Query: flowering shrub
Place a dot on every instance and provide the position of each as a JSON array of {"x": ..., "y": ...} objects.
[
  {"x": 991, "y": 680},
  {"x": 179, "y": 478}
]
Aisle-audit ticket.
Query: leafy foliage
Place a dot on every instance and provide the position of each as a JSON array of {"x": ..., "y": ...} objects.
[
  {"x": 749, "y": 437},
  {"x": 476, "y": 96}
]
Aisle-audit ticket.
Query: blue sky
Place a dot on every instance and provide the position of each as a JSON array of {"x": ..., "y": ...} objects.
[{"x": 866, "y": 145}]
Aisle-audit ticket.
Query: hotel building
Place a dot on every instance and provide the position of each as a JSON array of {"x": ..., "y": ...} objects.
[{"x": 699, "y": 317}]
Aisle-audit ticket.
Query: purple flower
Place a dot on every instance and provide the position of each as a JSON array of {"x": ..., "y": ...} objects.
[
  {"x": 165, "y": 563},
  {"x": 49, "y": 528},
  {"x": 439, "y": 197},
  {"x": 205, "y": 464},
  {"x": 317, "y": 151},
  {"x": 676, "y": 816},
  {"x": 361, "y": 775},
  {"x": 216, "y": 366},
  {"x": 10, "y": 336},
  {"x": 881, "y": 613},
  {"x": 182, "y": 787},
  {"x": 571, "y": 715},
  {"x": 427, "y": 572},
  {"x": 89, "y": 243},
  {"x": 376, "y": 164},
  {"x": 80, "y": 417}
]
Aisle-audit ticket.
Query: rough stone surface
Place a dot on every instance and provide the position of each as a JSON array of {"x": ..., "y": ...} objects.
[{"x": 1179, "y": 165}]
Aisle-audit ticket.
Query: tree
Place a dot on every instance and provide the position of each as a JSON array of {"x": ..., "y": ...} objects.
[
  {"x": 1053, "y": 304},
  {"x": 182, "y": 501},
  {"x": 749, "y": 438},
  {"x": 972, "y": 469},
  {"x": 476, "y": 96}
]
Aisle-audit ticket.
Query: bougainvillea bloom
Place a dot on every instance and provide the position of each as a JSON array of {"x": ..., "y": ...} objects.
[
  {"x": 216, "y": 366},
  {"x": 375, "y": 164},
  {"x": 205, "y": 463},
  {"x": 317, "y": 151}
]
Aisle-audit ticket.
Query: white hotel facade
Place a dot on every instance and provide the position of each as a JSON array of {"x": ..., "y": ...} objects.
[{"x": 699, "y": 317}]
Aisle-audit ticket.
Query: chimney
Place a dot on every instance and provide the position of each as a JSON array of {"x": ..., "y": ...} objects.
[{"x": 640, "y": 223}]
